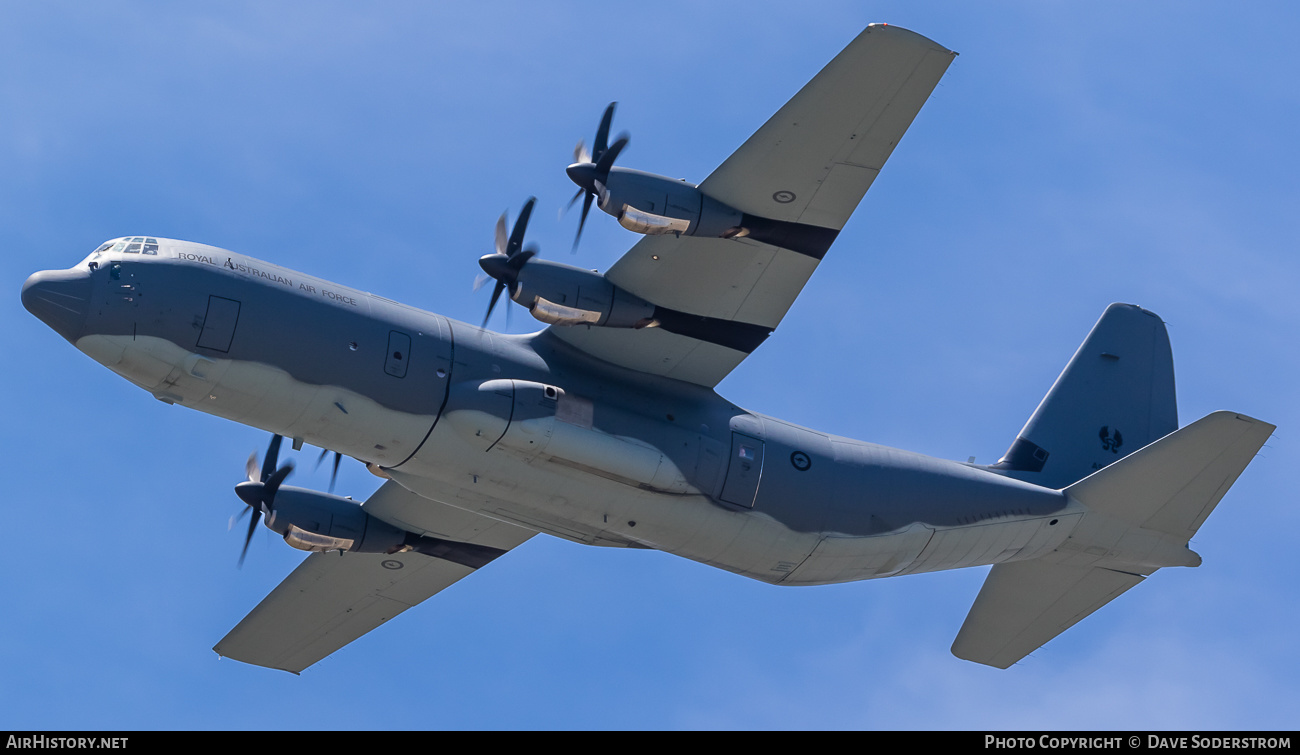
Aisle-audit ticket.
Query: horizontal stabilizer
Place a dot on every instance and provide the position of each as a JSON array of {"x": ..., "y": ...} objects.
[
  {"x": 1024, "y": 604},
  {"x": 1142, "y": 510},
  {"x": 1172, "y": 485}
]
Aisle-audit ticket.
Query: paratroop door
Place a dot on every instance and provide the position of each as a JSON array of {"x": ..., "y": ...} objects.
[{"x": 743, "y": 470}]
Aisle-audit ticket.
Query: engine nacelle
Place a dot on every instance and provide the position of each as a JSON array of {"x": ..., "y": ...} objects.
[
  {"x": 562, "y": 294},
  {"x": 313, "y": 521},
  {"x": 654, "y": 205}
]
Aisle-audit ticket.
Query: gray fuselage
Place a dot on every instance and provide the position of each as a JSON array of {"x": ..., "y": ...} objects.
[{"x": 528, "y": 430}]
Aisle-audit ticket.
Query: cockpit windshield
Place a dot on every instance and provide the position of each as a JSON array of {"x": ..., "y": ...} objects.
[{"x": 124, "y": 245}]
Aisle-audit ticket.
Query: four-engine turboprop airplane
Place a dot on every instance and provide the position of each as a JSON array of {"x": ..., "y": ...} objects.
[{"x": 605, "y": 428}]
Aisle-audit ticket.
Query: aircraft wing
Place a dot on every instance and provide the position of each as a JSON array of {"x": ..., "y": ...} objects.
[
  {"x": 332, "y": 599},
  {"x": 807, "y": 167}
]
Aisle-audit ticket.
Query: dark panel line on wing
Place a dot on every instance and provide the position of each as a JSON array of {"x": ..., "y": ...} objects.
[
  {"x": 810, "y": 240},
  {"x": 741, "y": 336},
  {"x": 466, "y": 554}
]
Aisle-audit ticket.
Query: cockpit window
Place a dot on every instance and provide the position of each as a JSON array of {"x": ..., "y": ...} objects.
[
  {"x": 124, "y": 245},
  {"x": 90, "y": 262},
  {"x": 129, "y": 245}
]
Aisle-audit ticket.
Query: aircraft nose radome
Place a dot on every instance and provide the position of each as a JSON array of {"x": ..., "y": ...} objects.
[{"x": 60, "y": 299}]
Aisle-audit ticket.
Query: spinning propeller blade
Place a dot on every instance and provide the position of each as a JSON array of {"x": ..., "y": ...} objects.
[
  {"x": 258, "y": 493},
  {"x": 592, "y": 168},
  {"x": 510, "y": 257},
  {"x": 334, "y": 475}
]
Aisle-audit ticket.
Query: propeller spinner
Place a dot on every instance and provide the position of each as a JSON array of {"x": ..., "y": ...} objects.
[
  {"x": 510, "y": 256},
  {"x": 591, "y": 169},
  {"x": 259, "y": 491}
]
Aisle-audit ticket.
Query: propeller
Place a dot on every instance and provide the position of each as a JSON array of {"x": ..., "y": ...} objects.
[
  {"x": 338, "y": 457},
  {"x": 259, "y": 490},
  {"x": 590, "y": 168},
  {"x": 509, "y": 259}
]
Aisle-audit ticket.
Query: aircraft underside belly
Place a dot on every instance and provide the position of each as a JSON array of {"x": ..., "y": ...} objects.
[
  {"x": 543, "y": 423},
  {"x": 993, "y": 543},
  {"x": 549, "y": 471},
  {"x": 845, "y": 559},
  {"x": 529, "y": 454},
  {"x": 569, "y": 489},
  {"x": 263, "y": 396}
]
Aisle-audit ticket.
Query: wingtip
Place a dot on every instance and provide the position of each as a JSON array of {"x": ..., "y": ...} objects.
[
  {"x": 961, "y": 651},
  {"x": 1227, "y": 415},
  {"x": 901, "y": 32}
]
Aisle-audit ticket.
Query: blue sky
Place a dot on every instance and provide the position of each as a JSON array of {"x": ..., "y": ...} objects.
[{"x": 1074, "y": 155}]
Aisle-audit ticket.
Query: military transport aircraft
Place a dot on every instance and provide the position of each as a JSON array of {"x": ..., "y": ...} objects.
[{"x": 605, "y": 428}]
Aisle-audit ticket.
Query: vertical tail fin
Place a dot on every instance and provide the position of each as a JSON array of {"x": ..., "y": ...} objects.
[{"x": 1115, "y": 396}]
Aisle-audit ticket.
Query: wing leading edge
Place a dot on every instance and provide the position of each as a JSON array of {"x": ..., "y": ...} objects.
[
  {"x": 332, "y": 599},
  {"x": 805, "y": 170}
]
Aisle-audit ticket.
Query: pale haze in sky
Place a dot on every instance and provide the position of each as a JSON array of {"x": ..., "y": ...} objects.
[{"x": 1074, "y": 155}]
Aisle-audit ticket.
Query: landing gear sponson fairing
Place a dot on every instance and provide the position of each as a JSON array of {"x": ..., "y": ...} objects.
[{"x": 605, "y": 429}]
